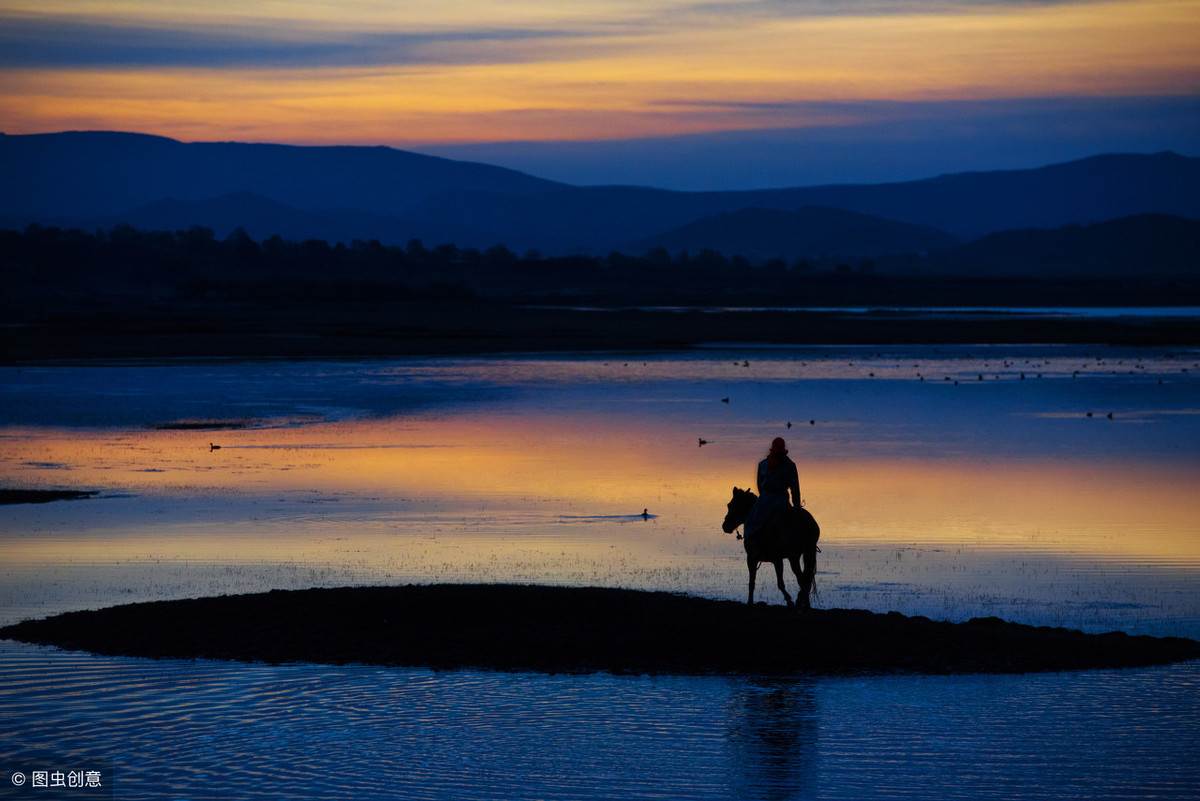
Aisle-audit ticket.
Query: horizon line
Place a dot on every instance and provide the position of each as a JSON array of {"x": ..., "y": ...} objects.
[{"x": 926, "y": 177}]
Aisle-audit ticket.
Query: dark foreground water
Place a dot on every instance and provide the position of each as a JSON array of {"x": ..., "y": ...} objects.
[
  {"x": 950, "y": 482},
  {"x": 217, "y": 730}
]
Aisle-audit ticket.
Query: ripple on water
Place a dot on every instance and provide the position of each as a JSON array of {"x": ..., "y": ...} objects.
[
  {"x": 219, "y": 730},
  {"x": 1004, "y": 499}
]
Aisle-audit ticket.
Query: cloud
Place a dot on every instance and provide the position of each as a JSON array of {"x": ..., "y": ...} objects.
[
  {"x": 44, "y": 42},
  {"x": 36, "y": 40},
  {"x": 873, "y": 8},
  {"x": 360, "y": 71}
]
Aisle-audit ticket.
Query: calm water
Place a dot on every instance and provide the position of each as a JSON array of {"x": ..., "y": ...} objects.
[
  {"x": 935, "y": 312},
  {"x": 973, "y": 491}
]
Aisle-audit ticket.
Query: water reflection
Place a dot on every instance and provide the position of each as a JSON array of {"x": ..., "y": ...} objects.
[
  {"x": 946, "y": 485},
  {"x": 986, "y": 493},
  {"x": 587, "y": 465},
  {"x": 203, "y": 729},
  {"x": 772, "y": 738}
]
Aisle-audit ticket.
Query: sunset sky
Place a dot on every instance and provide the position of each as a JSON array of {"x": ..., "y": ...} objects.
[{"x": 681, "y": 88}]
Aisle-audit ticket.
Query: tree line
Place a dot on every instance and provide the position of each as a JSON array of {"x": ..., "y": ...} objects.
[{"x": 56, "y": 266}]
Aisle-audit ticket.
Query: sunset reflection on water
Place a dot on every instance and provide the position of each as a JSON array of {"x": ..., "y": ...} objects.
[{"x": 1002, "y": 493}]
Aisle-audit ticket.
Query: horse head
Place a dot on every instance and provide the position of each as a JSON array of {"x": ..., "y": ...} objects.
[{"x": 738, "y": 509}]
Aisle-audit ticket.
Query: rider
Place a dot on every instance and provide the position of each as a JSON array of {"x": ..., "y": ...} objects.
[{"x": 776, "y": 475}]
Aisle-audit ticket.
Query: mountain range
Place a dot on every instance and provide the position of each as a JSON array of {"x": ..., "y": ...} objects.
[
  {"x": 995, "y": 220},
  {"x": 1128, "y": 247},
  {"x": 808, "y": 232}
]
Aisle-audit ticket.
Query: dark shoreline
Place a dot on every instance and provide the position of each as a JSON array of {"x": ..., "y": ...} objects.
[
  {"x": 9, "y": 497},
  {"x": 394, "y": 330},
  {"x": 579, "y": 630}
]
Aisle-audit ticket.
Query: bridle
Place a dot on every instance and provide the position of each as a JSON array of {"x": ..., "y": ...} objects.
[{"x": 738, "y": 535}]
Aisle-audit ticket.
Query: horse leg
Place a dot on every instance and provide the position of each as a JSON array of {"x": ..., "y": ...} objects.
[
  {"x": 802, "y": 597},
  {"x": 810, "y": 569},
  {"x": 794, "y": 561},
  {"x": 779, "y": 580},
  {"x": 752, "y": 566}
]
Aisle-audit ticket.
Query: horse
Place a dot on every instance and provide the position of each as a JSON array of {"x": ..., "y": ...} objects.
[{"x": 786, "y": 536}]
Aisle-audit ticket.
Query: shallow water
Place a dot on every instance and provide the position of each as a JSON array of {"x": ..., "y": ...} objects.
[
  {"x": 218, "y": 730},
  {"x": 938, "y": 312},
  {"x": 973, "y": 491}
]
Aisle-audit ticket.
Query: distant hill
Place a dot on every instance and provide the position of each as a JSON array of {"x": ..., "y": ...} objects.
[
  {"x": 262, "y": 217},
  {"x": 966, "y": 205},
  {"x": 381, "y": 193},
  {"x": 1146, "y": 244},
  {"x": 257, "y": 215},
  {"x": 971, "y": 204},
  {"x": 812, "y": 232},
  {"x": 98, "y": 174}
]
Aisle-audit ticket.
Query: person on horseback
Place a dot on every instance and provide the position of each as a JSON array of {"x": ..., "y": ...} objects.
[
  {"x": 776, "y": 530},
  {"x": 777, "y": 475}
]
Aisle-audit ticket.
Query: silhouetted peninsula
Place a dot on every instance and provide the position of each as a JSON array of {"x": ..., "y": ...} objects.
[
  {"x": 578, "y": 630},
  {"x": 14, "y": 496}
]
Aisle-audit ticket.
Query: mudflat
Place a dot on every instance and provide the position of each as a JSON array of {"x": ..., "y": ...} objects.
[
  {"x": 14, "y": 496},
  {"x": 378, "y": 330},
  {"x": 579, "y": 630}
]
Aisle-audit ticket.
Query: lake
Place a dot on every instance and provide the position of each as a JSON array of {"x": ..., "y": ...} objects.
[
  {"x": 950, "y": 481},
  {"x": 1098, "y": 313}
]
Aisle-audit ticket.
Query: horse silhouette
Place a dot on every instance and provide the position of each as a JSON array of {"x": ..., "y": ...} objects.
[{"x": 789, "y": 535}]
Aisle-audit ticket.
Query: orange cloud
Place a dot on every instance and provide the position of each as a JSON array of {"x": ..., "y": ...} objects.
[{"x": 465, "y": 72}]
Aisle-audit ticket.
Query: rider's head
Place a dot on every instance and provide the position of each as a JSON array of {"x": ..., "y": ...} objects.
[{"x": 777, "y": 452}]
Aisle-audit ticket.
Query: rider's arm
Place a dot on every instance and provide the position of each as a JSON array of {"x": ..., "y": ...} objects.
[{"x": 795, "y": 486}]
